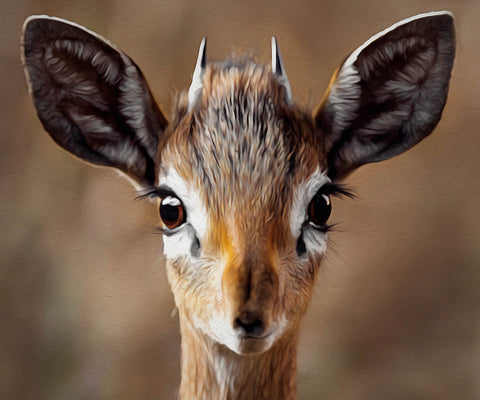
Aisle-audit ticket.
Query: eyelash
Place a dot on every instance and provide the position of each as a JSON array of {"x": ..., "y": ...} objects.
[
  {"x": 330, "y": 189},
  {"x": 323, "y": 229},
  {"x": 337, "y": 190},
  {"x": 153, "y": 193},
  {"x": 334, "y": 189}
]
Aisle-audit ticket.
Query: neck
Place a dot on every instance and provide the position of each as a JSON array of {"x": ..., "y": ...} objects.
[{"x": 212, "y": 371}]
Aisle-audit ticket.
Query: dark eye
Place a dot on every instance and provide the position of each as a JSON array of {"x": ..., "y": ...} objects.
[
  {"x": 172, "y": 212},
  {"x": 319, "y": 210}
]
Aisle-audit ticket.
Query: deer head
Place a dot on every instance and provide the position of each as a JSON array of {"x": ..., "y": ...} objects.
[{"x": 242, "y": 175}]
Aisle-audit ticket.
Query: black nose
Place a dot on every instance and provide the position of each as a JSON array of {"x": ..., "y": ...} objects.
[{"x": 249, "y": 324}]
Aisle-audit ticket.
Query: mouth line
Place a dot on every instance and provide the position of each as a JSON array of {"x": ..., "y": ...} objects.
[{"x": 250, "y": 337}]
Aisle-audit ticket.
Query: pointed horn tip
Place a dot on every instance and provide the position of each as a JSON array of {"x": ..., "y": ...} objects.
[
  {"x": 276, "y": 57},
  {"x": 274, "y": 45},
  {"x": 202, "y": 55},
  {"x": 195, "y": 90},
  {"x": 279, "y": 70}
]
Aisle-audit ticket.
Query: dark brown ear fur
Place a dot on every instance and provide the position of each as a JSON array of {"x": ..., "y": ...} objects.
[
  {"x": 91, "y": 98},
  {"x": 389, "y": 94}
]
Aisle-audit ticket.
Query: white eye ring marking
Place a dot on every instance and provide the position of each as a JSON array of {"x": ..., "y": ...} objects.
[
  {"x": 181, "y": 242},
  {"x": 304, "y": 194},
  {"x": 189, "y": 197}
]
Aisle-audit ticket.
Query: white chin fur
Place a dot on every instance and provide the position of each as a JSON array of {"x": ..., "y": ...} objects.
[{"x": 220, "y": 331}]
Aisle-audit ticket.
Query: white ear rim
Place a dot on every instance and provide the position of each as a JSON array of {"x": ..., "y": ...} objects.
[
  {"x": 130, "y": 84},
  {"x": 353, "y": 57},
  {"x": 62, "y": 20},
  {"x": 345, "y": 91}
]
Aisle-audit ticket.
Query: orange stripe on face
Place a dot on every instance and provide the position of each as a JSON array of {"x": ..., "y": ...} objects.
[
  {"x": 248, "y": 246},
  {"x": 218, "y": 240},
  {"x": 250, "y": 282}
]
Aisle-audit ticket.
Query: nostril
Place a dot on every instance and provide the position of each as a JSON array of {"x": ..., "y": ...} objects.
[{"x": 250, "y": 325}]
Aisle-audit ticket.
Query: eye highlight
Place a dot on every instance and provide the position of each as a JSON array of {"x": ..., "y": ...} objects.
[
  {"x": 319, "y": 210},
  {"x": 172, "y": 212}
]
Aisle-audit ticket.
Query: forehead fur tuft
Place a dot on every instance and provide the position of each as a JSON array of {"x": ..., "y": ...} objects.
[{"x": 243, "y": 142}]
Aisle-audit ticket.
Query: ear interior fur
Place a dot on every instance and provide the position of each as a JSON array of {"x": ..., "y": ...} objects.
[
  {"x": 389, "y": 93},
  {"x": 91, "y": 98},
  {"x": 94, "y": 101}
]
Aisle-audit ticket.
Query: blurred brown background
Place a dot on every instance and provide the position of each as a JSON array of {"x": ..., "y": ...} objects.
[{"x": 85, "y": 310}]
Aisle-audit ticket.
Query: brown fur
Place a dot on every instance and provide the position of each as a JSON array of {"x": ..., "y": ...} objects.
[
  {"x": 246, "y": 164},
  {"x": 245, "y": 150}
]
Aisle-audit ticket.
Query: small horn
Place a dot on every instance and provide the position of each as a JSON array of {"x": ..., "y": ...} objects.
[
  {"x": 279, "y": 70},
  {"x": 195, "y": 91}
]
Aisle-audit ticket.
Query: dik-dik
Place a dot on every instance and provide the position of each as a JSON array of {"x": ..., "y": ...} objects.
[{"x": 241, "y": 174}]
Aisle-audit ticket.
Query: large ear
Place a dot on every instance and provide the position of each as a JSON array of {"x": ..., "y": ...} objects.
[
  {"x": 389, "y": 93},
  {"x": 91, "y": 98}
]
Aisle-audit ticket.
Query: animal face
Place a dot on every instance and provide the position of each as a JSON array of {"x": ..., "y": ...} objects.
[
  {"x": 242, "y": 176},
  {"x": 243, "y": 169}
]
